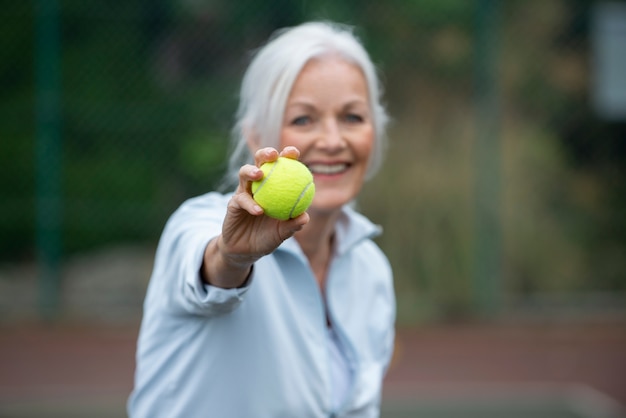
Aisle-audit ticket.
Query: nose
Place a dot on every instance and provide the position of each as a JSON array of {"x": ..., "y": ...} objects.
[{"x": 332, "y": 137}]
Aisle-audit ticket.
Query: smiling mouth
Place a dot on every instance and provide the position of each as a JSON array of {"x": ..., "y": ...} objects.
[{"x": 328, "y": 169}]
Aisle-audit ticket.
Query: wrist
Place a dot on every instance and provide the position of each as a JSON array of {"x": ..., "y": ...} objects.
[{"x": 222, "y": 269}]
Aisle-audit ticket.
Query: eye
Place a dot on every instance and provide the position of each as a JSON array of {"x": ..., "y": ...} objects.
[
  {"x": 301, "y": 120},
  {"x": 354, "y": 118}
]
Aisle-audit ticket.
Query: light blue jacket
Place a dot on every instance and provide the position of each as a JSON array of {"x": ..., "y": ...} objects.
[{"x": 261, "y": 351}]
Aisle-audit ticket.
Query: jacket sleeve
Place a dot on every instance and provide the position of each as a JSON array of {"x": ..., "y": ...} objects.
[
  {"x": 176, "y": 283},
  {"x": 390, "y": 337}
]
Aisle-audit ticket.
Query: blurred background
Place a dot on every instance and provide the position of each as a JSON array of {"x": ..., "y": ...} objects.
[{"x": 503, "y": 196}]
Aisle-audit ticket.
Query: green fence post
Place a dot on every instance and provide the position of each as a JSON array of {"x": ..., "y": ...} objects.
[
  {"x": 48, "y": 200},
  {"x": 487, "y": 245}
]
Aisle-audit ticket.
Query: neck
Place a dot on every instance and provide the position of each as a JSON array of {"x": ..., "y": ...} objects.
[{"x": 316, "y": 241}]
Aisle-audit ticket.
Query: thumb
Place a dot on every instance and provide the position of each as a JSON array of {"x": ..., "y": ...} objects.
[{"x": 289, "y": 227}]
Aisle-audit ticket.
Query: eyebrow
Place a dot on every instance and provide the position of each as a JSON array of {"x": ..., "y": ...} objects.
[
  {"x": 310, "y": 105},
  {"x": 301, "y": 104}
]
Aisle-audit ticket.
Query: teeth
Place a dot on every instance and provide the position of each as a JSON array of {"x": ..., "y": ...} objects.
[{"x": 327, "y": 168}]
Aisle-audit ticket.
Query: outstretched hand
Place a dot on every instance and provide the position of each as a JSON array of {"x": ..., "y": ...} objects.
[{"x": 247, "y": 234}]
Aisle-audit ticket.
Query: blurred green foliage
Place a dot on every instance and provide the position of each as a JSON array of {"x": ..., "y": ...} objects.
[{"x": 149, "y": 89}]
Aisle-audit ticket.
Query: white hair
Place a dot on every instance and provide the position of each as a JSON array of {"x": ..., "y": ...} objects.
[{"x": 270, "y": 76}]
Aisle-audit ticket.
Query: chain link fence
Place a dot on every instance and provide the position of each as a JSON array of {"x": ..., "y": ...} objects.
[{"x": 504, "y": 184}]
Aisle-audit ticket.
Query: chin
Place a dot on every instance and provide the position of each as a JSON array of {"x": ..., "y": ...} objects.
[{"x": 330, "y": 203}]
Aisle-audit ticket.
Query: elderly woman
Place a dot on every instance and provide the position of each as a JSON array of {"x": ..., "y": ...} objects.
[{"x": 248, "y": 316}]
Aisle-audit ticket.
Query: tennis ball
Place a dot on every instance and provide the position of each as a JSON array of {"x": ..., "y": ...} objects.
[{"x": 286, "y": 189}]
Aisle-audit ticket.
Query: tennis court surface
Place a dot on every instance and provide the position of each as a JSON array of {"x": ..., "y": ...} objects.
[{"x": 464, "y": 371}]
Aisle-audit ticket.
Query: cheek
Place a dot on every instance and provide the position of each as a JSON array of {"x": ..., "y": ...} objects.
[{"x": 365, "y": 146}]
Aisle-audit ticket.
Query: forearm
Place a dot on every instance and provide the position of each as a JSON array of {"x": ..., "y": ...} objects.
[{"x": 221, "y": 270}]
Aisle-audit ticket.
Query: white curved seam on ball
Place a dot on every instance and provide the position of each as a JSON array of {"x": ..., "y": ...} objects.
[
  {"x": 265, "y": 178},
  {"x": 299, "y": 199}
]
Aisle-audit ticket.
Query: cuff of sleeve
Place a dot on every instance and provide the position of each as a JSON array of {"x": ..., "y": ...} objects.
[
  {"x": 219, "y": 300},
  {"x": 209, "y": 299}
]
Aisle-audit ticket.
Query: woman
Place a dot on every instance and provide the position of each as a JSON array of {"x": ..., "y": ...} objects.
[{"x": 247, "y": 316}]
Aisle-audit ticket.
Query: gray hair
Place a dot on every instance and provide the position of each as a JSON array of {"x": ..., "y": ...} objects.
[{"x": 270, "y": 76}]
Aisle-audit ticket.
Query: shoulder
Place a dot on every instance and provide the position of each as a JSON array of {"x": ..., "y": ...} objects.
[
  {"x": 370, "y": 254},
  {"x": 356, "y": 235},
  {"x": 207, "y": 206},
  {"x": 208, "y": 201},
  {"x": 198, "y": 214}
]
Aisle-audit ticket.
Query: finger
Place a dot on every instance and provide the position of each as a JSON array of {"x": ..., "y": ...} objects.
[
  {"x": 244, "y": 201},
  {"x": 265, "y": 155},
  {"x": 248, "y": 173},
  {"x": 290, "y": 152}
]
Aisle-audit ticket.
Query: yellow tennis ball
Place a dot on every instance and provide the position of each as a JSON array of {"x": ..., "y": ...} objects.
[{"x": 286, "y": 189}]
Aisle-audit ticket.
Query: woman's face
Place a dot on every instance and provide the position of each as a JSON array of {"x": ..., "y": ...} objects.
[{"x": 327, "y": 117}]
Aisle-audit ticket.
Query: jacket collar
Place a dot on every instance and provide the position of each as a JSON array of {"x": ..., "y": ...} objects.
[{"x": 351, "y": 229}]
